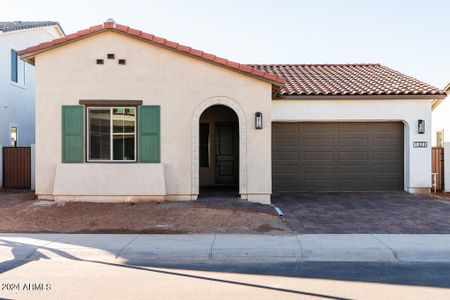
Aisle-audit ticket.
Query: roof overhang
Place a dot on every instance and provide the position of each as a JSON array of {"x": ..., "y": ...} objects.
[
  {"x": 29, "y": 54},
  {"x": 358, "y": 97},
  {"x": 438, "y": 101}
]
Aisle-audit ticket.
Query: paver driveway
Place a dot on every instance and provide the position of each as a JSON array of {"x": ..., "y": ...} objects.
[{"x": 364, "y": 212}]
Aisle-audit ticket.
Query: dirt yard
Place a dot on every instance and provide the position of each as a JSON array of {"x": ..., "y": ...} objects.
[{"x": 19, "y": 212}]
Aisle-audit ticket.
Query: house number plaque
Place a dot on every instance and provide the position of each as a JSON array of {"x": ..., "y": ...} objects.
[{"x": 420, "y": 144}]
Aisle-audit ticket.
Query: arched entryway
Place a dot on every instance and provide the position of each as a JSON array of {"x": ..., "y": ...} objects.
[{"x": 219, "y": 147}]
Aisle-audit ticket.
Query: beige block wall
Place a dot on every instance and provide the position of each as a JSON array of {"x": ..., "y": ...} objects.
[{"x": 178, "y": 83}]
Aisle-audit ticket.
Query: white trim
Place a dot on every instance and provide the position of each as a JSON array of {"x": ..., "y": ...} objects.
[
  {"x": 242, "y": 143},
  {"x": 110, "y": 160}
]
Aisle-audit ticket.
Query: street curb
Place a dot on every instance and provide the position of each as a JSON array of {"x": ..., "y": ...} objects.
[{"x": 227, "y": 247}]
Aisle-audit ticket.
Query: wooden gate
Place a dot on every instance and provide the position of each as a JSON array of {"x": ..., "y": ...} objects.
[
  {"x": 17, "y": 167},
  {"x": 438, "y": 167}
]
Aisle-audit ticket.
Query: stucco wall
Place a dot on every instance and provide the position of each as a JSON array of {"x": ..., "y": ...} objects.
[
  {"x": 417, "y": 160},
  {"x": 178, "y": 83},
  {"x": 17, "y": 101}
]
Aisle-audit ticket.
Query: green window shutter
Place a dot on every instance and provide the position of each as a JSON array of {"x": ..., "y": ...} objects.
[
  {"x": 72, "y": 134},
  {"x": 149, "y": 133}
]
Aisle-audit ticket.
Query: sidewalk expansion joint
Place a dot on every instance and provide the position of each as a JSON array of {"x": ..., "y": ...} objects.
[
  {"x": 390, "y": 249},
  {"x": 44, "y": 246},
  {"x": 211, "y": 257},
  {"x": 126, "y": 245},
  {"x": 302, "y": 252}
]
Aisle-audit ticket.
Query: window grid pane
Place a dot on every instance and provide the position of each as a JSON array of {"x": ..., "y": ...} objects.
[
  {"x": 123, "y": 133},
  {"x": 99, "y": 134}
]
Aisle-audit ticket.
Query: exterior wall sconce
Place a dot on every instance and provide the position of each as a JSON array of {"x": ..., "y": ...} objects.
[
  {"x": 258, "y": 120},
  {"x": 421, "y": 126}
]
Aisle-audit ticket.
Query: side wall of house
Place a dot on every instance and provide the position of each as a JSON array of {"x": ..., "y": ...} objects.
[
  {"x": 417, "y": 160},
  {"x": 441, "y": 122},
  {"x": 17, "y": 101},
  {"x": 157, "y": 76}
]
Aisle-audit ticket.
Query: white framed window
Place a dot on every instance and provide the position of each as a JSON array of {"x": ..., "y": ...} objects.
[
  {"x": 13, "y": 136},
  {"x": 111, "y": 134},
  {"x": 17, "y": 69}
]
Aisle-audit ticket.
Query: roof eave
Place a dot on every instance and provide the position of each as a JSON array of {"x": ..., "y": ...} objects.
[
  {"x": 358, "y": 97},
  {"x": 438, "y": 101},
  {"x": 29, "y": 54}
]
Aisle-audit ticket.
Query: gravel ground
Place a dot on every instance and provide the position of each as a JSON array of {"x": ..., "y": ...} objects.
[{"x": 20, "y": 212}]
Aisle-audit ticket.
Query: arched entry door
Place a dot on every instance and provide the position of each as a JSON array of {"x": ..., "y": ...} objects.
[{"x": 219, "y": 146}]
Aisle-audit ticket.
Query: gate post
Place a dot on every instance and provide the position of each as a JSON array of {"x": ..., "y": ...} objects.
[
  {"x": 446, "y": 167},
  {"x": 1, "y": 166},
  {"x": 33, "y": 165}
]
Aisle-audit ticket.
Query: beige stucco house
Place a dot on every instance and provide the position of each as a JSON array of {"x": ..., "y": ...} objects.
[{"x": 122, "y": 115}]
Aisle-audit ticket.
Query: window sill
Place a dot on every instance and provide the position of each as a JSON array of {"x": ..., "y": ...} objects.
[
  {"x": 17, "y": 85},
  {"x": 112, "y": 161}
]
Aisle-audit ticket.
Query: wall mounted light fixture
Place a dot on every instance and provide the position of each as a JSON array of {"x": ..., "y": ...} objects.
[
  {"x": 258, "y": 120},
  {"x": 421, "y": 126}
]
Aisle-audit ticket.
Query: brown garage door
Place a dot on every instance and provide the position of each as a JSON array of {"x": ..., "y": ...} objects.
[{"x": 337, "y": 156}]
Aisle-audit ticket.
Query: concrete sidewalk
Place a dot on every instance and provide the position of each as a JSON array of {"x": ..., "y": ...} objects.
[{"x": 231, "y": 247}]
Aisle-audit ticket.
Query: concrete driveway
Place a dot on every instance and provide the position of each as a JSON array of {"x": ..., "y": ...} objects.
[{"x": 364, "y": 212}]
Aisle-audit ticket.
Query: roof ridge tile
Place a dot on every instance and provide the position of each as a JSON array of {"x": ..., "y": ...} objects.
[{"x": 31, "y": 51}]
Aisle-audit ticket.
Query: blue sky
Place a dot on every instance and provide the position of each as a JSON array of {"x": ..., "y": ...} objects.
[{"x": 411, "y": 36}]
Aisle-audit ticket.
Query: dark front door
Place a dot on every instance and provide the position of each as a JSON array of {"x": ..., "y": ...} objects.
[{"x": 226, "y": 153}]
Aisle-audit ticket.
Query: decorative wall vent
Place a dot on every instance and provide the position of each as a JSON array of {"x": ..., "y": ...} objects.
[
  {"x": 122, "y": 61},
  {"x": 111, "y": 56},
  {"x": 100, "y": 62}
]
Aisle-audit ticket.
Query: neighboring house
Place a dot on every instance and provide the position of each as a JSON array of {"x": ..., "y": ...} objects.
[
  {"x": 441, "y": 132},
  {"x": 124, "y": 115},
  {"x": 17, "y": 80}
]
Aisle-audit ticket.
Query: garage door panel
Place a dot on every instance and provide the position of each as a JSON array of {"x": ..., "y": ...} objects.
[
  {"x": 284, "y": 128},
  {"x": 353, "y": 184},
  {"x": 312, "y": 184},
  {"x": 353, "y": 155},
  {"x": 285, "y": 169},
  {"x": 352, "y": 142},
  {"x": 387, "y": 141},
  {"x": 281, "y": 136},
  {"x": 352, "y": 127},
  {"x": 287, "y": 143},
  {"x": 383, "y": 184},
  {"x": 338, "y": 156},
  {"x": 316, "y": 127},
  {"x": 388, "y": 155},
  {"x": 388, "y": 127},
  {"x": 383, "y": 169},
  {"x": 317, "y": 168},
  {"x": 285, "y": 155},
  {"x": 325, "y": 155},
  {"x": 353, "y": 169},
  {"x": 317, "y": 142}
]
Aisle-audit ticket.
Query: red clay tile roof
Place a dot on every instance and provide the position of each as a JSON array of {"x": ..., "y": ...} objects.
[
  {"x": 29, "y": 53},
  {"x": 21, "y": 25},
  {"x": 347, "y": 80}
]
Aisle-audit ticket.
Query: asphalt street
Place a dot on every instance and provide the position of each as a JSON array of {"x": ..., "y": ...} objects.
[{"x": 91, "y": 279}]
